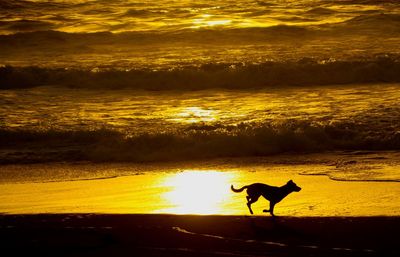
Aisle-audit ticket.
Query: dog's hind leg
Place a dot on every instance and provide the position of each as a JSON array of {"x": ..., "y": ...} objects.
[
  {"x": 249, "y": 206},
  {"x": 250, "y": 201}
]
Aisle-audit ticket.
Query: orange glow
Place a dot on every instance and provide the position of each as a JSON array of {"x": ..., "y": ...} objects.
[{"x": 200, "y": 192}]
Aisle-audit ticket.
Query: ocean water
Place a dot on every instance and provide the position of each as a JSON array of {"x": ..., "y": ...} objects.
[
  {"x": 166, "y": 45},
  {"x": 174, "y": 35},
  {"x": 61, "y": 124},
  {"x": 155, "y": 81}
]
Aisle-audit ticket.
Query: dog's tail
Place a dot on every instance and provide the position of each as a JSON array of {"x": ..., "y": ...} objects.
[{"x": 238, "y": 190}]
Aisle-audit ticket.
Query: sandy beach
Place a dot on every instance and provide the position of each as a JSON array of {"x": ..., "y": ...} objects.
[
  {"x": 202, "y": 188},
  {"x": 191, "y": 235},
  {"x": 155, "y": 210}
]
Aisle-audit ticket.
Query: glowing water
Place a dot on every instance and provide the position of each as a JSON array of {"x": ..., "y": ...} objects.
[
  {"x": 136, "y": 112},
  {"x": 134, "y": 15},
  {"x": 170, "y": 34}
]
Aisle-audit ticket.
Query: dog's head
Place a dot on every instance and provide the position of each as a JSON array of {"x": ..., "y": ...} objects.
[{"x": 292, "y": 186}]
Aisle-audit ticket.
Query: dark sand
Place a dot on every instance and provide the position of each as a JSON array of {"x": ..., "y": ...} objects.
[{"x": 180, "y": 235}]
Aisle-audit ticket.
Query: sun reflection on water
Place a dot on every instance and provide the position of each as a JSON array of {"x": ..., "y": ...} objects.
[
  {"x": 198, "y": 191},
  {"x": 207, "y": 20},
  {"x": 195, "y": 114}
]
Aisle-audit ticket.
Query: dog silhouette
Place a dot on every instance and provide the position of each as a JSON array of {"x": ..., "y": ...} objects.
[{"x": 272, "y": 193}]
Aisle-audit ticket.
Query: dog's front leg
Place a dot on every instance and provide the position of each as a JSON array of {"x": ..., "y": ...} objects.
[{"x": 271, "y": 208}]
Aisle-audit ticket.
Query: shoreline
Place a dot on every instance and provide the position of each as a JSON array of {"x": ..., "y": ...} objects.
[
  {"x": 65, "y": 171},
  {"x": 198, "y": 235}
]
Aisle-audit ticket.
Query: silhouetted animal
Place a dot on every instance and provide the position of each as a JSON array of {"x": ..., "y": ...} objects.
[{"x": 273, "y": 194}]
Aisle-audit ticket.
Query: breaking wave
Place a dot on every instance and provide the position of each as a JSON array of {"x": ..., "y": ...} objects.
[
  {"x": 306, "y": 71},
  {"x": 195, "y": 142}
]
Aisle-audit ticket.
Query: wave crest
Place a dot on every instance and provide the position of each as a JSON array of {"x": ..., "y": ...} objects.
[
  {"x": 213, "y": 75},
  {"x": 382, "y": 21},
  {"x": 195, "y": 142}
]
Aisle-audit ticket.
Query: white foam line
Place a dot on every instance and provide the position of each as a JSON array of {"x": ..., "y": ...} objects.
[
  {"x": 262, "y": 242},
  {"x": 227, "y": 238},
  {"x": 273, "y": 243},
  {"x": 192, "y": 233},
  {"x": 309, "y": 246},
  {"x": 188, "y": 250},
  {"x": 341, "y": 249}
]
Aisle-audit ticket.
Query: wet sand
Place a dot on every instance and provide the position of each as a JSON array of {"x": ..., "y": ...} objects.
[
  {"x": 194, "y": 191},
  {"x": 191, "y": 235}
]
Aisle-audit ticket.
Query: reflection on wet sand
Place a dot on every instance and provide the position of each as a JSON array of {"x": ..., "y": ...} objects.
[
  {"x": 203, "y": 192},
  {"x": 195, "y": 191}
]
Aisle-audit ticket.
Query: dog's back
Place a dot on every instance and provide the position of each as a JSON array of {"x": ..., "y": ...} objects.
[{"x": 258, "y": 189}]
